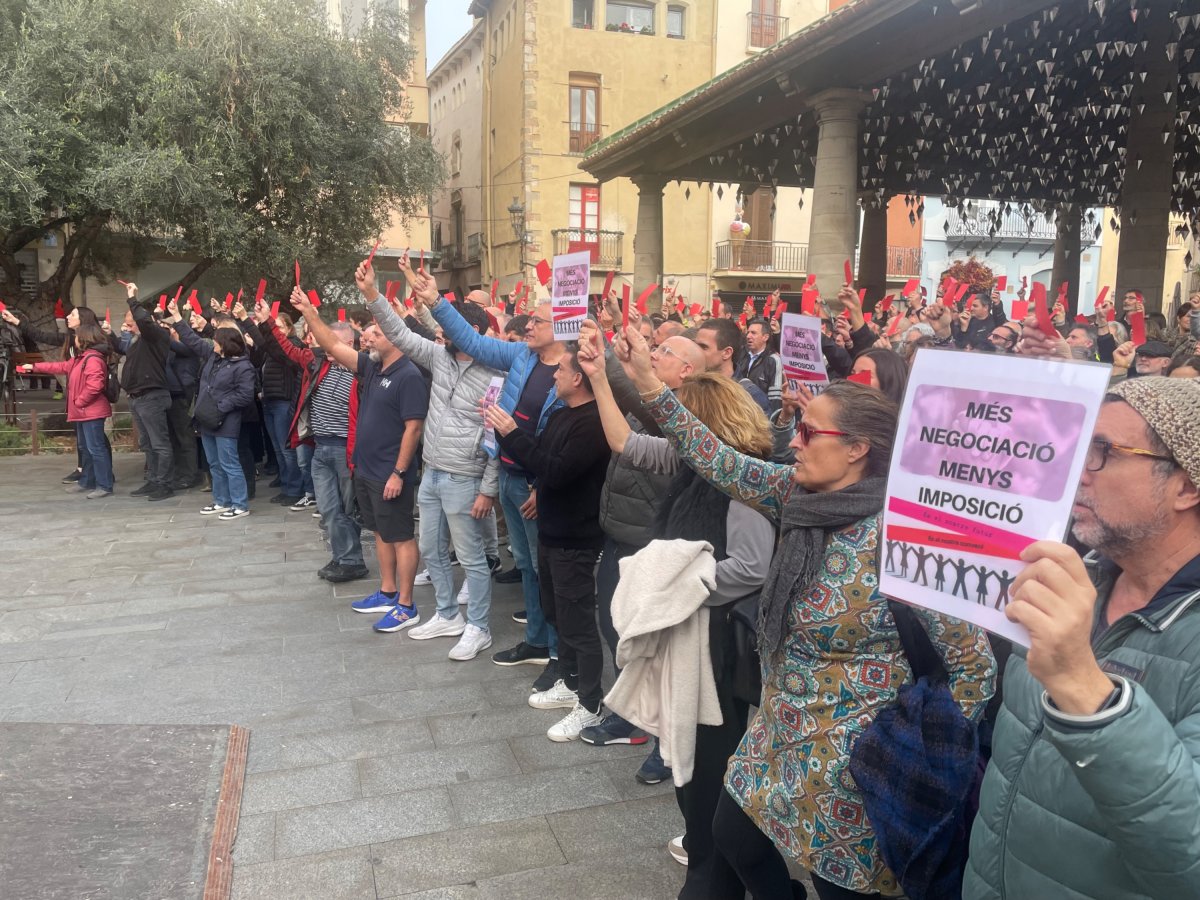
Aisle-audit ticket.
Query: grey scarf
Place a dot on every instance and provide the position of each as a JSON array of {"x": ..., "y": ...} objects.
[{"x": 807, "y": 520}]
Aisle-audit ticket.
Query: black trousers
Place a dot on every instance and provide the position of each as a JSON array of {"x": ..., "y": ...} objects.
[
  {"x": 608, "y": 573},
  {"x": 567, "y": 582},
  {"x": 710, "y": 876},
  {"x": 759, "y": 864},
  {"x": 183, "y": 438},
  {"x": 149, "y": 412}
]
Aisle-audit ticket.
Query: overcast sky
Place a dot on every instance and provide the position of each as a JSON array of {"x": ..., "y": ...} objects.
[{"x": 445, "y": 22}]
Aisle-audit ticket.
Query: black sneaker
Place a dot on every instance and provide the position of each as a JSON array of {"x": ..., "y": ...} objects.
[
  {"x": 324, "y": 571},
  {"x": 520, "y": 617},
  {"x": 342, "y": 573},
  {"x": 454, "y": 558},
  {"x": 523, "y": 654},
  {"x": 285, "y": 499},
  {"x": 512, "y": 576},
  {"x": 73, "y": 477},
  {"x": 148, "y": 488},
  {"x": 545, "y": 681},
  {"x": 162, "y": 492},
  {"x": 494, "y": 564}
]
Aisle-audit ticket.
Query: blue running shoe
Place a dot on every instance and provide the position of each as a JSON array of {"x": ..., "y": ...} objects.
[
  {"x": 613, "y": 730},
  {"x": 377, "y": 602},
  {"x": 398, "y": 618},
  {"x": 653, "y": 770}
]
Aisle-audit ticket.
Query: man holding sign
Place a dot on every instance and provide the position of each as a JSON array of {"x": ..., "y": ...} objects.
[
  {"x": 572, "y": 275},
  {"x": 1094, "y": 783}
]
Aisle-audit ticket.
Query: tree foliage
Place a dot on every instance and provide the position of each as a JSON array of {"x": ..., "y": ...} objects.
[{"x": 240, "y": 133}]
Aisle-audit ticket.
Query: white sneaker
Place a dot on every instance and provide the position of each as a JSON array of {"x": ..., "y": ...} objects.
[
  {"x": 214, "y": 508},
  {"x": 473, "y": 642},
  {"x": 675, "y": 848},
  {"x": 438, "y": 627},
  {"x": 558, "y": 697},
  {"x": 422, "y": 579},
  {"x": 579, "y": 718},
  {"x": 464, "y": 595},
  {"x": 231, "y": 514}
]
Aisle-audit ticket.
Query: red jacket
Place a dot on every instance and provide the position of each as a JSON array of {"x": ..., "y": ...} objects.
[
  {"x": 312, "y": 371},
  {"x": 87, "y": 378}
]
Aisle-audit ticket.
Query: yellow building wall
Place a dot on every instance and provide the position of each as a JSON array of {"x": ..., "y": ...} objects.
[
  {"x": 1174, "y": 268},
  {"x": 536, "y": 50}
]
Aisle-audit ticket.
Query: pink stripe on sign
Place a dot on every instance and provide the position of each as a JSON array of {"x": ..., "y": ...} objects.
[{"x": 1008, "y": 539}]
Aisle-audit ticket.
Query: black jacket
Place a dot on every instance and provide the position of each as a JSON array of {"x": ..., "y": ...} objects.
[
  {"x": 146, "y": 359},
  {"x": 568, "y": 461},
  {"x": 229, "y": 382},
  {"x": 183, "y": 371},
  {"x": 280, "y": 378}
]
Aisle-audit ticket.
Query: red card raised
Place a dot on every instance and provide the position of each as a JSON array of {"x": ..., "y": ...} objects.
[
  {"x": 495, "y": 287},
  {"x": 544, "y": 272},
  {"x": 910, "y": 287},
  {"x": 1044, "y": 323},
  {"x": 781, "y": 309},
  {"x": 297, "y": 273},
  {"x": 341, "y": 315},
  {"x": 371, "y": 258},
  {"x": 389, "y": 290},
  {"x": 107, "y": 312},
  {"x": 886, "y": 303},
  {"x": 742, "y": 321},
  {"x": 451, "y": 297},
  {"x": 867, "y": 317},
  {"x": 716, "y": 308},
  {"x": 947, "y": 288},
  {"x": 261, "y": 292},
  {"x": 1020, "y": 309},
  {"x": 862, "y": 296},
  {"x": 860, "y": 378},
  {"x": 520, "y": 285},
  {"x": 1103, "y": 293},
  {"x": 1002, "y": 283},
  {"x": 60, "y": 311},
  {"x": 1110, "y": 315},
  {"x": 1137, "y": 328},
  {"x": 849, "y": 272},
  {"x": 960, "y": 293},
  {"x": 178, "y": 294},
  {"x": 194, "y": 303},
  {"x": 162, "y": 302},
  {"x": 608, "y": 281},
  {"x": 422, "y": 270},
  {"x": 694, "y": 311},
  {"x": 229, "y": 300},
  {"x": 643, "y": 297},
  {"x": 808, "y": 302},
  {"x": 1081, "y": 319},
  {"x": 626, "y": 293},
  {"x": 314, "y": 299},
  {"x": 275, "y": 310}
]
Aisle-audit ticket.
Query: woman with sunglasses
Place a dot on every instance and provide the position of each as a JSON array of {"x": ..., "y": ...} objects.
[{"x": 831, "y": 655}]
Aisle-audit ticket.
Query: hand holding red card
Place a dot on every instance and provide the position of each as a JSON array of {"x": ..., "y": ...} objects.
[
  {"x": 544, "y": 272},
  {"x": 608, "y": 283},
  {"x": 261, "y": 291},
  {"x": 643, "y": 297},
  {"x": 275, "y": 310},
  {"x": 314, "y": 299},
  {"x": 1137, "y": 328},
  {"x": 849, "y": 272},
  {"x": 1045, "y": 324},
  {"x": 297, "y": 273},
  {"x": 1002, "y": 283},
  {"x": 626, "y": 293}
]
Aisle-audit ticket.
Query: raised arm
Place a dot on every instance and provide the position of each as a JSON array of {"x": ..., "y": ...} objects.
[
  {"x": 339, "y": 352},
  {"x": 592, "y": 361},
  {"x": 761, "y": 485},
  {"x": 199, "y": 347},
  {"x": 147, "y": 328}
]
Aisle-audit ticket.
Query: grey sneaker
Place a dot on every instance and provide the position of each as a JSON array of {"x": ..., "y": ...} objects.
[{"x": 98, "y": 494}]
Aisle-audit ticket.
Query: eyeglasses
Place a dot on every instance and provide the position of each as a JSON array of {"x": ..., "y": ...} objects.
[
  {"x": 806, "y": 432},
  {"x": 1098, "y": 453},
  {"x": 538, "y": 320},
  {"x": 663, "y": 348}
]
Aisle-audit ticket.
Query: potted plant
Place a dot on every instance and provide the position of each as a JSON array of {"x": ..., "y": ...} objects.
[{"x": 612, "y": 26}]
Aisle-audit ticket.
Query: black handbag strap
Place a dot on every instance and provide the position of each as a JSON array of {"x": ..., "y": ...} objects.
[{"x": 923, "y": 657}]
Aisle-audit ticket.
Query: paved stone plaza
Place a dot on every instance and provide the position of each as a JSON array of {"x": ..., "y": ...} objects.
[{"x": 377, "y": 768}]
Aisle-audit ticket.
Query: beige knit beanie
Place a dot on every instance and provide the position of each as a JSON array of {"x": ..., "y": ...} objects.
[{"x": 1171, "y": 406}]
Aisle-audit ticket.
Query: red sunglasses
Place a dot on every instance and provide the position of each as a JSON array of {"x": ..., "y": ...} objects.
[{"x": 805, "y": 432}]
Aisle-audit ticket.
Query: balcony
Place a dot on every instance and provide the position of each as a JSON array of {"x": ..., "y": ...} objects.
[
  {"x": 985, "y": 220},
  {"x": 583, "y": 136},
  {"x": 474, "y": 242},
  {"x": 448, "y": 254},
  {"x": 764, "y": 31},
  {"x": 605, "y": 246},
  {"x": 761, "y": 256},
  {"x": 903, "y": 262}
]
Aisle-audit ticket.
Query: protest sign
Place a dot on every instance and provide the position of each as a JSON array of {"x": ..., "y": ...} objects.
[
  {"x": 490, "y": 396},
  {"x": 569, "y": 293},
  {"x": 979, "y": 474},
  {"x": 800, "y": 350}
]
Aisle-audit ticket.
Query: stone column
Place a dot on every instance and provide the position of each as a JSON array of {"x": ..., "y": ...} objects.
[
  {"x": 872, "y": 250},
  {"x": 1067, "y": 248},
  {"x": 1149, "y": 167},
  {"x": 834, "y": 224},
  {"x": 648, "y": 238}
]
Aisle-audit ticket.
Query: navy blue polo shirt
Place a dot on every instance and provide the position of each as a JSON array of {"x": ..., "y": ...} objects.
[{"x": 390, "y": 397}]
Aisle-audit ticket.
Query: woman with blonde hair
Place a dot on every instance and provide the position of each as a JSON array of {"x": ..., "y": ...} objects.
[
  {"x": 742, "y": 541},
  {"x": 831, "y": 653}
]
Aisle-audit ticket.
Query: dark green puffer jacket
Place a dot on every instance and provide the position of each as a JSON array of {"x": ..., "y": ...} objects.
[{"x": 1104, "y": 807}]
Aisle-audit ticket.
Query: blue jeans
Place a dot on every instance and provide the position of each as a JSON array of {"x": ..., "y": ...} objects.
[
  {"x": 228, "y": 479},
  {"x": 96, "y": 454},
  {"x": 304, "y": 455},
  {"x": 277, "y": 417},
  {"x": 446, "y": 502},
  {"x": 523, "y": 535},
  {"x": 334, "y": 491}
]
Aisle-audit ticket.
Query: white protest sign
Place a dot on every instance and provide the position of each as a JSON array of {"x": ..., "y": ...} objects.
[
  {"x": 569, "y": 293},
  {"x": 979, "y": 473},
  {"x": 800, "y": 350},
  {"x": 490, "y": 396}
]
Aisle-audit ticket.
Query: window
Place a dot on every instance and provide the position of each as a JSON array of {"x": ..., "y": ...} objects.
[
  {"x": 585, "y": 111},
  {"x": 584, "y": 212},
  {"x": 631, "y": 17},
  {"x": 456, "y": 155},
  {"x": 766, "y": 27},
  {"x": 581, "y": 13},
  {"x": 675, "y": 22}
]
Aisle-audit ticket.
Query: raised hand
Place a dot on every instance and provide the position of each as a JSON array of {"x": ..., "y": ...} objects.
[
  {"x": 364, "y": 279},
  {"x": 301, "y": 302},
  {"x": 1123, "y": 356}
]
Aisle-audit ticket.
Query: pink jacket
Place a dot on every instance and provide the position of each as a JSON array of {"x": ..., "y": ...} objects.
[{"x": 87, "y": 376}]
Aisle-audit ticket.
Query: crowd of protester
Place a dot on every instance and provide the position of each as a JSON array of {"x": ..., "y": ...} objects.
[{"x": 671, "y": 501}]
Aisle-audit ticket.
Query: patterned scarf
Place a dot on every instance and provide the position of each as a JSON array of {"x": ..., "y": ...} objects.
[{"x": 807, "y": 521}]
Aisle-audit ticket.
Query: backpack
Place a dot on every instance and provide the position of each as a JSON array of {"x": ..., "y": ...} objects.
[{"x": 112, "y": 384}]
